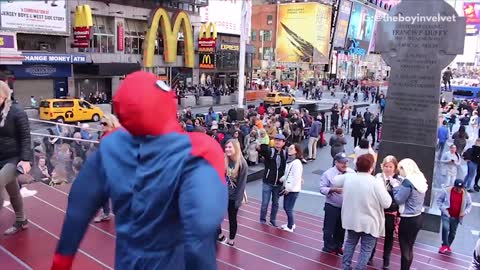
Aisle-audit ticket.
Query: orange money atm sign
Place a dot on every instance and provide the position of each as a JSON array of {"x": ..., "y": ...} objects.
[{"x": 82, "y": 26}]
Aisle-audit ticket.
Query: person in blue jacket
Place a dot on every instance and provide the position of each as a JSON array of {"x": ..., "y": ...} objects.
[{"x": 167, "y": 187}]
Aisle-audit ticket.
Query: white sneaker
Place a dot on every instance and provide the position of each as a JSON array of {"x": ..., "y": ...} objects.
[
  {"x": 6, "y": 203},
  {"x": 286, "y": 226},
  {"x": 27, "y": 193},
  {"x": 288, "y": 229}
]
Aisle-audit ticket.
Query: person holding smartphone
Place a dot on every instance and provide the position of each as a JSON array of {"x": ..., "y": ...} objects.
[{"x": 15, "y": 153}]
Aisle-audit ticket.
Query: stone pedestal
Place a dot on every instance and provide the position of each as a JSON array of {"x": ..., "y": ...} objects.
[
  {"x": 106, "y": 108},
  {"x": 188, "y": 101},
  {"x": 225, "y": 100},
  {"x": 234, "y": 98},
  {"x": 206, "y": 101}
]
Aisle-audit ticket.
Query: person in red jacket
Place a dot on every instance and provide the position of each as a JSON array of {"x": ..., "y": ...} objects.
[{"x": 454, "y": 203}]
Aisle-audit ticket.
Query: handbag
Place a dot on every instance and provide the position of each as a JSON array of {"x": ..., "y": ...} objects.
[{"x": 282, "y": 191}]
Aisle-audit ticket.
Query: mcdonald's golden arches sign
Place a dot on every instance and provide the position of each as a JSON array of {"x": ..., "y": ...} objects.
[
  {"x": 181, "y": 20},
  {"x": 207, "y": 42}
]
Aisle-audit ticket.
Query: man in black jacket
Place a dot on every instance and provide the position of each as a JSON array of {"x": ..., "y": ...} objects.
[
  {"x": 372, "y": 127},
  {"x": 275, "y": 163},
  {"x": 15, "y": 153}
]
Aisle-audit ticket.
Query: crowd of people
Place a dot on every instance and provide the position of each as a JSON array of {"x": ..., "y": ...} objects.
[{"x": 389, "y": 199}]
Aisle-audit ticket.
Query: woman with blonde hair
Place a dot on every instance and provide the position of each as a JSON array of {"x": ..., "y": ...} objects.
[
  {"x": 109, "y": 123},
  {"x": 15, "y": 154},
  {"x": 236, "y": 176},
  {"x": 389, "y": 177},
  {"x": 409, "y": 195}
]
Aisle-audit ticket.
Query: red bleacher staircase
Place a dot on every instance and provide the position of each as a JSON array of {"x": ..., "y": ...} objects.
[{"x": 257, "y": 247}]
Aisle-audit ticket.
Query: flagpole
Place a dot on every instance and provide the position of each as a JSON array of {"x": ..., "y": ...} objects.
[{"x": 241, "y": 61}]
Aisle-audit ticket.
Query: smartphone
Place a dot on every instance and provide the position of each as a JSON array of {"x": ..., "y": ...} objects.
[{"x": 20, "y": 170}]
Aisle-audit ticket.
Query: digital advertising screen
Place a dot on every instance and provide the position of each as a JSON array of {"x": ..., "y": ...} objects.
[
  {"x": 341, "y": 28},
  {"x": 360, "y": 30}
]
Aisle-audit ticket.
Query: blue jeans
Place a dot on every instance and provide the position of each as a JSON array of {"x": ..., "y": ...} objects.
[
  {"x": 106, "y": 208},
  {"x": 471, "y": 172},
  {"x": 449, "y": 229},
  {"x": 288, "y": 204},
  {"x": 441, "y": 148},
  {"x": 267, "y": 192},
  {"x": 367, "y": 243}
]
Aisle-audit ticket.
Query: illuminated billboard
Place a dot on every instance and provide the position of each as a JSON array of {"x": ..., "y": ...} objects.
[
  {"x": 301, "y": 38},
  {"x": 472, "y": 16},
  {"x": 360, "y": 30},
  {"x": 342, "y": 24}
]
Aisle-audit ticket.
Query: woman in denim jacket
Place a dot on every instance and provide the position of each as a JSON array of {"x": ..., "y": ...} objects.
[{"x": 409, "y": 195}]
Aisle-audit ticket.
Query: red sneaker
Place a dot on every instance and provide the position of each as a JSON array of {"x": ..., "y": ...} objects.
[
  {"x": 449, "y": 250},
  {"x": 340, "y": 251},
  {"x": 443, "y": 250}
]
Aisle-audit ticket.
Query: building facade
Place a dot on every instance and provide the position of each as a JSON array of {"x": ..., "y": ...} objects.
[
  {"x": 263, "y": 36},
  {"x": 47, "y": 59}
]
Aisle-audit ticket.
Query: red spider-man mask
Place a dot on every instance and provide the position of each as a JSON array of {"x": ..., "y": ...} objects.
[{"x": 145, "y": 105}]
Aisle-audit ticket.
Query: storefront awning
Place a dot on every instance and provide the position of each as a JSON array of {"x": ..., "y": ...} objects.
[{"x": 11, "y": 58}]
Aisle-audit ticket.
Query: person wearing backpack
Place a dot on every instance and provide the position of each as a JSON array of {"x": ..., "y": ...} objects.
[{"x": 472, "y": 156}]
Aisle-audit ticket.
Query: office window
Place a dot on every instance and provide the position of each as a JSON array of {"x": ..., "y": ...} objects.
[
  {"x": 267, "y": 53},
  {"x": 269, "y": 19},
  {"x": 134, "y": 36},
  {"x": 267, "y": 35},
  {"x": 253, "y": 36},
  {"x": 103, "y": 40}
]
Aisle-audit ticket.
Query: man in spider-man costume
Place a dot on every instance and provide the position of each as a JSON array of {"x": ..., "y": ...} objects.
[{"x": 167, "y": 187}]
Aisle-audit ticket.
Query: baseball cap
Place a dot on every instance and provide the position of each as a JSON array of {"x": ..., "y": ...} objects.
[
  {"x": 341, "y": 157},
  {"x": 458, "y": 183},
  {"x": 280, "y": 137}
]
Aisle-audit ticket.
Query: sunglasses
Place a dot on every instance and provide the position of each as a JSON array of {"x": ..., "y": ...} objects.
[{"x": 103, "y": 124}]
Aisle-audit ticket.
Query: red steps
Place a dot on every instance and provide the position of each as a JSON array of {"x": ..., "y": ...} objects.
[{"x": 257, "y": 246}]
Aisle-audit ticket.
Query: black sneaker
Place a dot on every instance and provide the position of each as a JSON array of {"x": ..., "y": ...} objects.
[
  {"x": 476, "y": 188},
  {"x": 17, "y": 226},
  {"x": 273, "y": 224}
]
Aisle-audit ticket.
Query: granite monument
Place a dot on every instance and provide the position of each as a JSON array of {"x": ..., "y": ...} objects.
[{"x": 417, "y": 39}]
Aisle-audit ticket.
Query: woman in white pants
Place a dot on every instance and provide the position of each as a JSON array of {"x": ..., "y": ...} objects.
[{"x": 451, "y": 163}]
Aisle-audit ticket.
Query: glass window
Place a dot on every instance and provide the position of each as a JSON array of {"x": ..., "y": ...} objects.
[
  {"x": 254, "y": 36},
  {"x": 103, "y": 36},
  {"x": 63, "y": 104},
  {"x": 134, "y": 35},
  {"x": 269, "y": 19},
  {"x": 267, "y": 35}
]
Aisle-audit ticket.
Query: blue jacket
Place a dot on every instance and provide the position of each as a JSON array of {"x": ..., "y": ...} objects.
[
  {"x": 443, "y": 203},
  {"x": 315, "y": 129},
  {"x": 442, "y": 134},
  {"x": 409, "y": 199},
  {"x": 167, "y": 187}
]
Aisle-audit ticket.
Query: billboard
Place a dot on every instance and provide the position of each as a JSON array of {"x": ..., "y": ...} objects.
[
  {"x": 301, "y": 38},
  {"x": 472, "y": 16},
  {"x": 360, "y": 30},
  {"x": 207, "y": 39},
  {"x": 170, "y": 37},
  {"x": 342, "y": 24},
  {"x": 34, "y": 16},
  {"x": 225, "y": 14}
]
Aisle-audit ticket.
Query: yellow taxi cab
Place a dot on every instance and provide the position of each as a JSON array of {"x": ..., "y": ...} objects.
[
  {"x": 69, "y": 110},
  {"x": 279, "y": 98}
]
